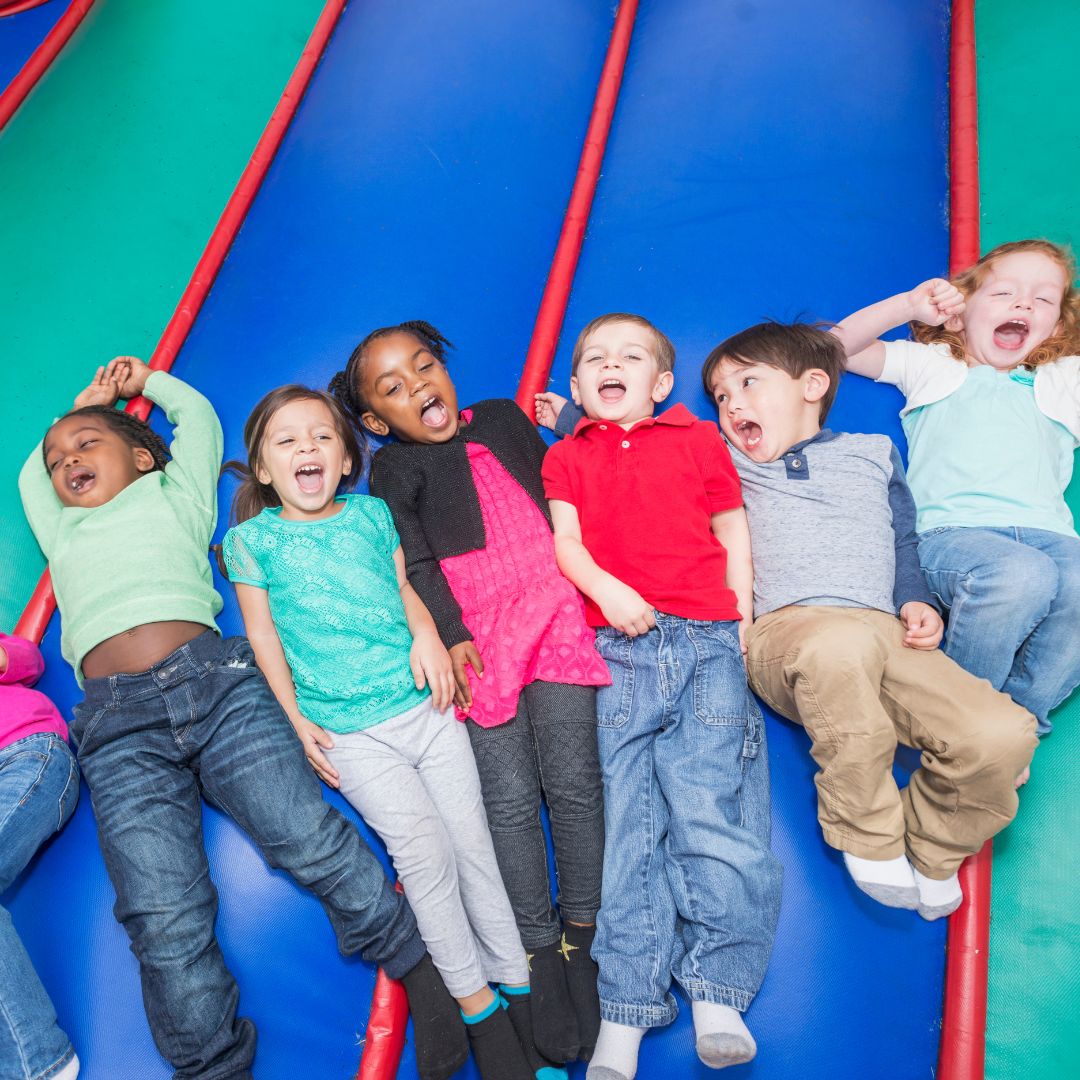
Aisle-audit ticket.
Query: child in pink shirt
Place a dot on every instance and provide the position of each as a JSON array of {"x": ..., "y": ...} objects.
[{"x": 39, "y": 785}]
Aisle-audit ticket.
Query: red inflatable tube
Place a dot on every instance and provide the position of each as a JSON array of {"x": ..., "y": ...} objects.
[
  {"x": 13, "y": 7},
  {"x": 549, "y": 318},
  {"x": 40, "y": 59},
  {"x": 963, "y": 1026}
]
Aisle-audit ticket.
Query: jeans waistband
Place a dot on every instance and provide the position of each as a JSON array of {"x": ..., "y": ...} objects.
[{"x": 190, "y": 659}]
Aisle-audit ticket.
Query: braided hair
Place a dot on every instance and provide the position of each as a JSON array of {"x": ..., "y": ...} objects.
[
  {"x": 345, "y": 385},
  {"x": 135, "y": 432}
]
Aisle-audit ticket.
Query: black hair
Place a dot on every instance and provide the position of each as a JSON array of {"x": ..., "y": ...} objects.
[
  {"x": 135, "y": 432},
  {"x": 252, "y": 496},
  {"x": 794, "y": 348},
  {"x": 345, "y": 385}
]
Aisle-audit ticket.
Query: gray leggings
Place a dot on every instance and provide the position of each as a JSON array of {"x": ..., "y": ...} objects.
[
  {"x": 413, "y": 780},
  {"x": 549, "y": 745}
]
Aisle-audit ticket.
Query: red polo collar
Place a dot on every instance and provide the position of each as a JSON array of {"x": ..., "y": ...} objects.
[{"x": 677, "y": 416}]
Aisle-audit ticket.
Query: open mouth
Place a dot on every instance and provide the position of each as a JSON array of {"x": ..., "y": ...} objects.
[
  {"x": 309, "y": 478},
  {"x": 1011, "y": 335},
  {"x": 434, "y": 413},
  {"x": 749, "y": 433},
  {"x": 80, "y": 480},
  {"x": 611, "y": 390}
]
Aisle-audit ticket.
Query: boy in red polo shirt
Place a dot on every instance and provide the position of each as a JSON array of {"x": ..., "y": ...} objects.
[{"x": 649, "y": 524}]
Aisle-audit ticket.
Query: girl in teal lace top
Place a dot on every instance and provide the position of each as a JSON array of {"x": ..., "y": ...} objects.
[{"x": 353, "y": 656}]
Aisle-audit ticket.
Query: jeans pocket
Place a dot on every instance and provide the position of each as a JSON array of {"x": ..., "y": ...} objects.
[
  {"x": 755, "y": 731},
  {"x": 237, "y": 658},
  {"x": 613, "y": 703},
  {"x": 721, "y": 695}
]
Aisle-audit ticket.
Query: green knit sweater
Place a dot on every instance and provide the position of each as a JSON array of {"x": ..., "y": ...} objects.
[{"x": 142, "y": 556}]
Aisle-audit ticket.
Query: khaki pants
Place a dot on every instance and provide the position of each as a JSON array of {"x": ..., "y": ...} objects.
[{"x": 845, "y": 675}]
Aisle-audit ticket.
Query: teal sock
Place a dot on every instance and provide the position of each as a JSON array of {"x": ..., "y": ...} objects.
[{"x": 475, "y": 1018}]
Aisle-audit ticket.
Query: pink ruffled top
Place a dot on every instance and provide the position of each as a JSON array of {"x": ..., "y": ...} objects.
[
  {"x": 23, "y": 711},
  {"x": 527, "y": 620}
]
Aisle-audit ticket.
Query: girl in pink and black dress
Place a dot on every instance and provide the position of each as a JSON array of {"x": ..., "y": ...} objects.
[{"x": 465, "y": 491}]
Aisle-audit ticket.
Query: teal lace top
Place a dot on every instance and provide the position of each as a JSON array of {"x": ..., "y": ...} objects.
[{"x": 335, "y": 601}]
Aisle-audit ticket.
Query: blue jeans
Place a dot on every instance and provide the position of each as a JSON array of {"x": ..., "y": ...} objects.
[
  {"x": 204, "y": 721},
  {"x": 690, "y": 889},
  {"x": 39, "y": 786},
  {"x": 1013, "y": 597}
]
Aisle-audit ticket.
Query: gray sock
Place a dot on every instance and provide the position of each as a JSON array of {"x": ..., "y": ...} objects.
[{"x": 889, "y": 881}]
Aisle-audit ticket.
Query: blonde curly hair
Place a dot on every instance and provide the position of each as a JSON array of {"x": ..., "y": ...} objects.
[{"x": 1066, "y": 342}]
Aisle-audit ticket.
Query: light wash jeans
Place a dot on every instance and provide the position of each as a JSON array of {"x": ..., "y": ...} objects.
[
  {"x": 691, "y": 889},
  {"x": 1013, "y": 597},
  {"x": 39, "y": 786}
]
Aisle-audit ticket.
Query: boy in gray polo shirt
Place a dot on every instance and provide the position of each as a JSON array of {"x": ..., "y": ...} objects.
[{"x": 846, "y": 633}]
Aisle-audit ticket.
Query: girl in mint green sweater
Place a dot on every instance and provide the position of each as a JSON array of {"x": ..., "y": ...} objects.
[{"x": 173, "y": 711}]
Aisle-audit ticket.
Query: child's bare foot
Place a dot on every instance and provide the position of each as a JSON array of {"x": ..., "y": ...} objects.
[{"x": 1024, "y": 777}]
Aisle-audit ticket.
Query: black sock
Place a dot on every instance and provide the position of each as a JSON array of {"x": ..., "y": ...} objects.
[
  {"x": 554, "y": 1023},
  {"x": 495, "y": 1047},
  {"x": 519, "y": 1008},
  {"x": 442, "y": 1046},
  {"x": 581, "y": 974}
]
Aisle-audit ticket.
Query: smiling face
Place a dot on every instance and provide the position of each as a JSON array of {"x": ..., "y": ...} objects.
[
  {"x": 763, "y": 410},
  {"x": 407, "y": 390},
  {"x": 618, "y": 375},
  {"x": 1015, "y": 309},
  {"x": 90, "y": 462},
  {"x": 303, "y": 458}
]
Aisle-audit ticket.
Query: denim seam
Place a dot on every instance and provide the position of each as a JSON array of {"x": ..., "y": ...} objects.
[{"x": 702, "y": 990}]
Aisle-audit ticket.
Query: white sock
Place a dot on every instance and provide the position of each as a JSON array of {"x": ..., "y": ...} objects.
[
  {"x": 721, "y": 1036},
  {"x": 69, "y": 1071},
  {"x": 889, "y": 881},
  {"x": 616, "y": 1053},
  {"x": 938, "y": 898}
]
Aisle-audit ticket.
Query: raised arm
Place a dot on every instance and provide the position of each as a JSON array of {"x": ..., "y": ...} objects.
[
  {"x": 623, "y": 607},
  {"x": 933, "y": 302}
]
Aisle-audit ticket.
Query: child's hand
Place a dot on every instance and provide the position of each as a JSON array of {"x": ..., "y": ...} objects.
[
  {"x": 465, "y": 654},
  {"x": 548, "y": 407},
  {"x": 935, "y": 302},
  {"x": 923, "y": 625},
  {"x": 627, "y": 610},
  {"x": 135, "y": 374},
  {"x": 430, "y": 663},
  {"x": 315, "y": 739},
  {"x": 104, "y": 388}
]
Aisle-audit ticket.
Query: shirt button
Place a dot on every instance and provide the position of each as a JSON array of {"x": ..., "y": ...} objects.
[
  {"x": 626, "y": 444},
  {"x": 796, "y": 463},
  {"x": 603, "y": 427}
]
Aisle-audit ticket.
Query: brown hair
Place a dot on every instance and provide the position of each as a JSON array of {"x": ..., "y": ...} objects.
[
  {"x": 253, "y": 497},
  {"x": 665, "y": 351},
  {"x": 792, "y": 347},
  {"x": 1066, "y": 342}
]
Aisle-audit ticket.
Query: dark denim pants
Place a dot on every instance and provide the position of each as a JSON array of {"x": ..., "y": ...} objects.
[
  {"x": 549, "y": 745},
  {"x": 39, "y": 786},
  {"x": 691, "y": 889},
  {"x": 204, "y": 721}
]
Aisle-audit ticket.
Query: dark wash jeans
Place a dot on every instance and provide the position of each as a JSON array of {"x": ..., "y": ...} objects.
[{"x": 204, "y": 721}]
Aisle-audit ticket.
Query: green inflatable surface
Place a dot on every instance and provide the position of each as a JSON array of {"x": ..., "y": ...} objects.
[
  {"x": 1030, "y": 159},
  {"x": 112, "y": 176}
]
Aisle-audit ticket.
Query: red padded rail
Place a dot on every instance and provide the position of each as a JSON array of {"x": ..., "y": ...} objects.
[
  {"x": 962, "y": 1055},
  {"x": 549, "y": 318},
  {"x": 30, "y": 73}
]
